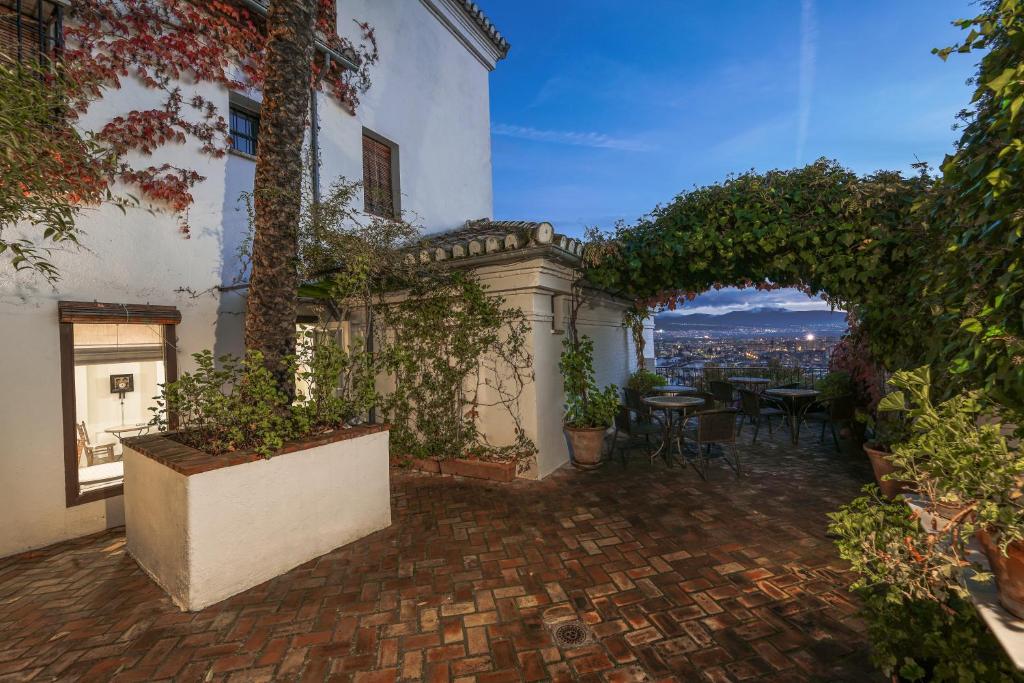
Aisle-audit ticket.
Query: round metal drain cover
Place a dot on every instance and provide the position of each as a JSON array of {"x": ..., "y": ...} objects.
[{"x": 571, "y": 634}]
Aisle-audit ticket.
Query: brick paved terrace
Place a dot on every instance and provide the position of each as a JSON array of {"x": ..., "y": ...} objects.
[{"x": 674, "y": 578}]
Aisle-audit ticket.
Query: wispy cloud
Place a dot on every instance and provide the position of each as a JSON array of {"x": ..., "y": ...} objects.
[
  {"x": 808, "y": 60},
  {"x": 571, "y": 137},
  {"x": 731, "y": 299}
]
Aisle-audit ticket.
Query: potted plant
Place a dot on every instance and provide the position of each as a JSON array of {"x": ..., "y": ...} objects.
[
  {"x": 918, "y": 614},
  {"x": 222, "y": 498},
  {"x": 886, "y": 428},
  {"x": 589, "y": 411},
  {"x": 967, "y": 474},
  {"x": 886, "y": 431}
]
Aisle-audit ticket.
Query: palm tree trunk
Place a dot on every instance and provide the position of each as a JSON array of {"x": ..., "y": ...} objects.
[{"x": 273, "y": 286}]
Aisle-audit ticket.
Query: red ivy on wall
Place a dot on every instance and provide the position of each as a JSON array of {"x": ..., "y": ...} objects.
[{"x": 169, "y": 45}]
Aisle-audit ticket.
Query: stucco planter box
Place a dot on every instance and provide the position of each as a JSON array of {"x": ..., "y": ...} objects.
[{"x": 207, "y": 527}]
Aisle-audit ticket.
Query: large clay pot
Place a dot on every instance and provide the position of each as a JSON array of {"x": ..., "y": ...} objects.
[
  {"x": 882, "y": 466},
  {"x": 1009, "y": 571},
  {"x": 585, "y": 446}
]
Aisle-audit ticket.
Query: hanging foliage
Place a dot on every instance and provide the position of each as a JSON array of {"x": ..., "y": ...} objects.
[
  {"x": 176, "y": 49},
  {"x": 852, "y": 239},
  {"x": 977, "y": 287},
  {"x": 47, "y": 169}
]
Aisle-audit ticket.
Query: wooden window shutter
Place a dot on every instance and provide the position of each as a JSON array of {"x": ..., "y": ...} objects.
[{"x": 378, "y": 194}]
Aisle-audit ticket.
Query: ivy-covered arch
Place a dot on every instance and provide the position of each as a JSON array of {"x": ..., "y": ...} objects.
[{"x": 822, "y": 228}]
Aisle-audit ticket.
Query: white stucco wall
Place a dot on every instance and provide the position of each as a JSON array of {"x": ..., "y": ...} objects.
[
  {"x": 208, "y": 536},
  {"x": 530, "y": 285},
  {"x": 429, "y": 96}
]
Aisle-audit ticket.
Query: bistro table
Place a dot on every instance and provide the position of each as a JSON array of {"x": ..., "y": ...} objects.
[
  {"x": 673, "y": 429},
  {"x": 795, "y": 402},
  {"x": 674, "y": 389},
  {"x": 120, "y": 430},
  {"x": 755, "y": 384}
]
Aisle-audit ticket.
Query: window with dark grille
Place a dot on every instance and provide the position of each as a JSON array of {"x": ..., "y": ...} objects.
[
  {"x": 30, "y": 30},
  {"x": 379, "y": 178},
  {"x": 245, "y": 130}
]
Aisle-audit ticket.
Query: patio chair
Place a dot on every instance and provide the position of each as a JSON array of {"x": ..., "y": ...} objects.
[
  {"x": 723, "y": 392},
  {"x": 715, "y": 427},
  {"x": 638, "y": 433},
  {"x": 753, "y": 408},
  {"x": 633, "y": 400},
  {"x": 103, "y": 452},
  {"x": 837, "y": 411}
]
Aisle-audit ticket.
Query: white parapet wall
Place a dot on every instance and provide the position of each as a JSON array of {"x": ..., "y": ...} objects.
[{"x": 207, "y": 529}]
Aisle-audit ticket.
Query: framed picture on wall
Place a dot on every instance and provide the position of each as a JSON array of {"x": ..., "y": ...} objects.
[{"x": 122, "y": 384}]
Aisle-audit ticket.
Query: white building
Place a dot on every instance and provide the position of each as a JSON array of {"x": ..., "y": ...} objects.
[{"x": 64, "y": 365}]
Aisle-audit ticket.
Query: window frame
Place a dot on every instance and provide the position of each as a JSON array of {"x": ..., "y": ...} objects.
[
  {"x": 243, "y": 106},
  {"x": 70, "y": 313},
  {"x": 396, "y": 194}
]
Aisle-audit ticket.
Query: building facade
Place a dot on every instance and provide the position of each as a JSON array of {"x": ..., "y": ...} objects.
[{"x": 79, "y": 375}]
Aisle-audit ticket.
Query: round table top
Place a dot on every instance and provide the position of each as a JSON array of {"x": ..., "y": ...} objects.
[
  {"x": 126, "y": 428},
  {"x": 794, "y": 393},
  {"x": 750, "y": 380},
  {"x": 674, "y": 389},
  {"x": 673, "y": 402}
]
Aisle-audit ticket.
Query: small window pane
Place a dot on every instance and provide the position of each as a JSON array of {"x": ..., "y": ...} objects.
[{"x": 245, "y": 128}]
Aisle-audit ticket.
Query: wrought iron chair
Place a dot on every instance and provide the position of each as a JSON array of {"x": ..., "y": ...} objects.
[
  {"x": 723, "y": 392},
  {"x": 836, "y": 411},
  {"x": 753, "y": 408},
  {"x": 104, "y": 452},
  {"x": 715, "y": 427},
  {"x": 638, "y": 432}
]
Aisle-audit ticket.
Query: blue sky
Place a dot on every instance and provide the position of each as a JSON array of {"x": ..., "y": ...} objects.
[{"x": 605, "y": 109}]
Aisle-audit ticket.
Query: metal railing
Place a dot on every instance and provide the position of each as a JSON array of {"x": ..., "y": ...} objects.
[{"x": 700, "y": 376}]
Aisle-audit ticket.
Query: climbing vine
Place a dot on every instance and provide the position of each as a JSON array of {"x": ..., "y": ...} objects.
[
  {"x": 633, "y": 320},
  {"x": 852, "y": 239},
  {"x": 454, "y": 350},
  {"x": 175, "y": 49}
]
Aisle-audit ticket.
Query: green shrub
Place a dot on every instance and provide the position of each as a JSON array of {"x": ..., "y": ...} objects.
[
  {"x": 644, "y": 381},
  {"x": 955, "y": 459},
  {"x": 230, "y": 404},
  {"x": 920, "y": 623},
  {"x": 835, "y": 384},
  {"x": 335, "y": 386}
]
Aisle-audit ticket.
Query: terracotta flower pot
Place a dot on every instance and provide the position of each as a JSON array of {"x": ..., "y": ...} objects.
[
  {"x": 882, "y": 466},
  {"x": 586, "y": 445},
  {"x": 1009, "y": 571}
]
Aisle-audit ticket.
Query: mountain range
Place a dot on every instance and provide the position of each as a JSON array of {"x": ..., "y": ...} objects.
[{"x": 754, "y": 317}]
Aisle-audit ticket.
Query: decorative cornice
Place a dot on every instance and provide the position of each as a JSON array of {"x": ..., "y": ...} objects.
[{"x": 471, "y": 27}]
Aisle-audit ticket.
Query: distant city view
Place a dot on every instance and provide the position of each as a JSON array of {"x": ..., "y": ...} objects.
[{"x": 768, "y": 338}]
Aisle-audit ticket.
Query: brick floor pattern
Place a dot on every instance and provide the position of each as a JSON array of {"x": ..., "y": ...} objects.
[{"x": 677, "y": 579}]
